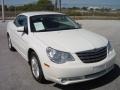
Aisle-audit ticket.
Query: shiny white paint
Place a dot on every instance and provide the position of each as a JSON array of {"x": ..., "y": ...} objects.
[
  {"x": 74, "y": 40},
  {"x": 71, "y": 41}
]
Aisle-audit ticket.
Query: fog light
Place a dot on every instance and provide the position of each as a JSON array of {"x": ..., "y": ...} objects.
[{"x": 63, "y": 80}]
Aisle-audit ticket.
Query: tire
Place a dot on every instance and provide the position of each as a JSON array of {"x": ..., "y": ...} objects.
[
  {"x": 36, "y": 68},
  {"x": 10, "y": 46}
]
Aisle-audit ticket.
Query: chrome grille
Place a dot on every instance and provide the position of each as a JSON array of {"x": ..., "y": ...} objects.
[{"x": 92, "y": 56}]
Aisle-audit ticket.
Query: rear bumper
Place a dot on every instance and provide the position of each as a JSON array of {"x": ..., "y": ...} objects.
[{"x": 75, "y": 72}]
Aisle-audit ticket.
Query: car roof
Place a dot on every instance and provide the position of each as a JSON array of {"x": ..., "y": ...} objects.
[{"x": 39, "y": 13}]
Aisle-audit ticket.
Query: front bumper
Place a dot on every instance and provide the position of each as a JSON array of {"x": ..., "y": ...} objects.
[
  {"x": 70, "y": 80},
  {"x": 74, "y": 72}
]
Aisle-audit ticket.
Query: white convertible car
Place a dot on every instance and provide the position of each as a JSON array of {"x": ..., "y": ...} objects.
[{"x": 58, "y": 49}]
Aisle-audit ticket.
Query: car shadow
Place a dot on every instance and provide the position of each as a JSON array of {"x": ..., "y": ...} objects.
[{"x": 111, "y": 76}]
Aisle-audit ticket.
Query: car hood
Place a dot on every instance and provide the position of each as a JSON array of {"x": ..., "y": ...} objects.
[{"x": 71, "y": 40}]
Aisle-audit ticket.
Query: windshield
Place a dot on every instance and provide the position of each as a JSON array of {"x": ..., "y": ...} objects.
[{"x": 56, "y": 22}]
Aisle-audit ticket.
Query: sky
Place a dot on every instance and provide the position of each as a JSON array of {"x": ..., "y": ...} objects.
[{"x": 71, "y": 3}]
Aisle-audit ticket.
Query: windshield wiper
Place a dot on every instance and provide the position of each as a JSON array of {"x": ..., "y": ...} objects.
[
  {"x": 53, "y": 29},
  {"x": 69, "y": 28},
  {"x": 42, "y": 30}
]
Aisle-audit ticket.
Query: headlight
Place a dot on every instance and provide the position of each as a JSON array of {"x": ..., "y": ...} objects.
[
  {"x": 109, "y": 47},
  {"x": 58, "y": 56}
]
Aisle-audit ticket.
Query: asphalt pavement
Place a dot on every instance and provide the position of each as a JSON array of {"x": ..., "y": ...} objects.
[{"x": 15, "y": 73}]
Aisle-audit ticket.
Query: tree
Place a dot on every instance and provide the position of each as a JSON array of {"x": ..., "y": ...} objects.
[
  {"x": 75, "y": 8},
  {"x": 44, "y": 5},
  {"x": 5, "y": 7},
  {"x": 12, "y": 8},
  {"x": 84, "y": 8},
  {"x": 0, "y": 7}
]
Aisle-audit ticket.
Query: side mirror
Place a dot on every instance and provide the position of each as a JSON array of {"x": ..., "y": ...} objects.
[{"x": 20, "y": 29}]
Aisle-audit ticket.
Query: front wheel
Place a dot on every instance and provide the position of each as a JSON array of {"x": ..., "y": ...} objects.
[{"x": 36, "y": 68}]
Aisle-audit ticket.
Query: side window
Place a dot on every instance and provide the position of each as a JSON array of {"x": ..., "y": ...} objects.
[
  {"x": 16, "y": 21},
  {"x": 21, "y": 21}
]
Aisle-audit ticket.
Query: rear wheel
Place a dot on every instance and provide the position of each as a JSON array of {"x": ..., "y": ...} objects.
[
  {"x": 36, "y": 68},
  {"x": 10, "y": 46}
]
